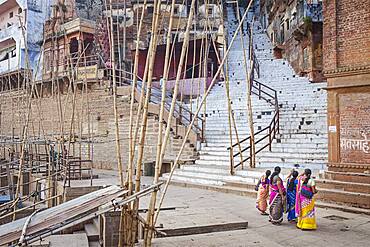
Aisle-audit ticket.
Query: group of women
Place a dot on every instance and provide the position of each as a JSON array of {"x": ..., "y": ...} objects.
[{"x": 296, "y": 199}]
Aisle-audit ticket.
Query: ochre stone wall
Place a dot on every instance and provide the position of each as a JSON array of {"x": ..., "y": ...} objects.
[
  {"x": 346, "y": 54},
  {"x": 100, "y": 124}
]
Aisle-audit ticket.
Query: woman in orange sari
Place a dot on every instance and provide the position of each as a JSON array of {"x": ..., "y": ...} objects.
[
  {"x": 263, "y": 193},
  {"x": 305, "y": 204}
]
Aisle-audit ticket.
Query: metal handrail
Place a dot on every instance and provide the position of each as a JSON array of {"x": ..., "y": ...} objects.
[
  {"x": 261, "y": 90},
  {"x": 269, "y": 95},
  {"x": 183, "y": 115}
]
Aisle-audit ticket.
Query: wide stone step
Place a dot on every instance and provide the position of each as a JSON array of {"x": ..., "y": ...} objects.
[
  {"x": 215, "y": 177},
  {"x": 213, "y": 162},
  {"x": 190, "y": 180},
  {"x": 349, "y": 177},
  {"x": 222, "y": 170},
  {"x": 297, "y": 145},
  {"x": 354, "y": 199},
  {"x": 287, "y": 133},
  {"x": 275, "y": 150},
  {"x": 290, "y": 164},
  {"x": 267, "y": 114},
  {"x": 214, "y": 187},
  {"x": 294, "y": 155},
  {"x": 282, "y": 157},
  {"x": 309, "y": 147},
  {"x": 300, "y": 141},
  {"x": 344, "y": 186},
  {"x": 307, "y": 110}
]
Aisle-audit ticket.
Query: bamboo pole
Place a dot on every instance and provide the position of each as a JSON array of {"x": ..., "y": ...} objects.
[
  {"x": 116, "y": 122},
  {"x": 141, "y": 145},
  {"x": 140, "y": 108},
  {"x": 249, "y": 98},
  {"x": 127, "y": 226},
  {"x": 192, "y": 122},
  {"x": 193, "y": 68},
  {"x": 167, "y": 63},
  {"x": 25, "y": 130},
  {"x": 231, "y": 118},
  {"x": 132, "y": 102},
  {"x": 200, "y": 68},
  {"x": 249, "y": 101},
  {"x": 205, "y": 65},
  {"x": 150, "y": 218}
]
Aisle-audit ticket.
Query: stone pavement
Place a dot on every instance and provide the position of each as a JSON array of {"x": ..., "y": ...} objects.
[{"x": 196, "y": 207}]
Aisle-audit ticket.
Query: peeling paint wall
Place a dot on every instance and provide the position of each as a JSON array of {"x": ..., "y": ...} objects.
[{"x": 37, "y": 12}]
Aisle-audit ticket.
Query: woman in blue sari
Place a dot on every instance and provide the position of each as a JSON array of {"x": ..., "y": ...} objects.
[{"x": 291, "y": 195}]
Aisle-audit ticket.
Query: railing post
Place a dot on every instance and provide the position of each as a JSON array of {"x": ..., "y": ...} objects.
[
  {"x": 278, "y": 121},
  {"x": 250, "y": 152},
  {"x": 270, "y": 138},
  {"x": 203, "y": 130},
  {"x": 69, "y": 174},
  {"x": 180, "y": 113},
  {"x": 231, "y": 161},
  {"x": 259, "y": 90}
]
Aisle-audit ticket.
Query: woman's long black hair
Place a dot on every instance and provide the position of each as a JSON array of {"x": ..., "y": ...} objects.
[
  {"x": 308, "y": 173},
  {"x": 268, "y": 173},
  {"x": 291, "y": 181},
  {"x": 275, "y": 173}
]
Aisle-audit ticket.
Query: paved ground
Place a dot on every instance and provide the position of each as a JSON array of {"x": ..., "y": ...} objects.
[
  {"x": 196, "y": 207},
  {"x": 200, "y": 207}
]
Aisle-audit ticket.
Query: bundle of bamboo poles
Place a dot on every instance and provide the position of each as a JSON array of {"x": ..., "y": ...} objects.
[{"x": 131, "y": 178}]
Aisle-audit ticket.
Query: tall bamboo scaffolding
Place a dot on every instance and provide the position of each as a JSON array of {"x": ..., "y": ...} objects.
[
  {"x": 144, "y": 121},
  {"x": 150, "y": 218},
  {"x": 127, "y": 214},
  {"x": 196, "y": 113}
]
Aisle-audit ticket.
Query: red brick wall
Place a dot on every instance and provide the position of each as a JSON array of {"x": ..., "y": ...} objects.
[
  {"x": 354, "y": 111},
  {"x": 346, "y": 33}
]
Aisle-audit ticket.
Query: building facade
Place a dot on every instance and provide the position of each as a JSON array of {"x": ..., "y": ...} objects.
[
  {"x": 15, "y": 15},
  {"x": 347, "y": 67},
  {"x": 295, "y": 29}
]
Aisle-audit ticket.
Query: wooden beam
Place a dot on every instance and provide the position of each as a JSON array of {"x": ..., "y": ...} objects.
[{"x": 193, "y": 230}]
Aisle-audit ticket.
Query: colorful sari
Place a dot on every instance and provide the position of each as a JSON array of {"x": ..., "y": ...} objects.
[
  {"x": 305, "y": 207},
  {"x": 262, "y": 195},
  {"x": 290, "y": 199},
  {"x": 276, "y": 203}
]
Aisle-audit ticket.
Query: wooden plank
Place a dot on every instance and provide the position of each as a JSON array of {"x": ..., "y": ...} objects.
[
  {"x": 202, "y": 229},
  {"x": 53, "y": 216}
]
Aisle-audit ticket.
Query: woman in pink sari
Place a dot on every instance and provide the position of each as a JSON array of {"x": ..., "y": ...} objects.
[
  {"x": 263, "y": 192},
  {"x": 277, "y": 197},
  {"x": 305, "y": 204}
]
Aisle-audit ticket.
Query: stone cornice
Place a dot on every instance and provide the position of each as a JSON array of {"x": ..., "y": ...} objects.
[{"x": 347, "y": 71}]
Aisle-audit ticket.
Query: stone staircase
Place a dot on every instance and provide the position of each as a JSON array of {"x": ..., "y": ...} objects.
[{"x": 302, "y": 139}]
